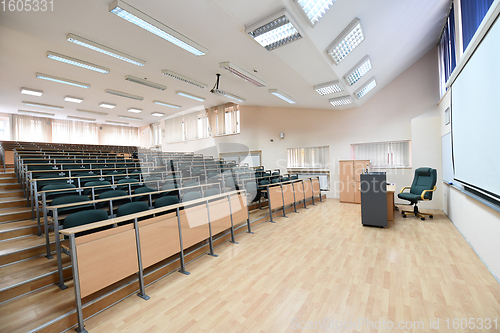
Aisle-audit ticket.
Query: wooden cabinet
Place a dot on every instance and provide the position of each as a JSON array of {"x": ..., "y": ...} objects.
[{"x": 349, "y": 172}]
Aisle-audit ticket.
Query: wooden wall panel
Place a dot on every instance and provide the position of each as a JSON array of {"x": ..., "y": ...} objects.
[
  {"x": 220, "y": 217},
  {"x": 194, "y": 225},
  {"x": 299, "y": 191},
  {"x": 159, "y": 240},
  {"x": 307, "y": 188},
  {"x": 315, "y": 186},
  {"x": 239, "y": 208},
  {"x": 107, "y": 260},
  {"x": 275, "y": 196},
  {"x": 288, "y": 194}
]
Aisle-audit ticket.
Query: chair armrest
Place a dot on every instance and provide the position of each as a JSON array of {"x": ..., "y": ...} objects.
[
  {"x": 404, "y": 188},
  {"x": 425, "y": 191}
]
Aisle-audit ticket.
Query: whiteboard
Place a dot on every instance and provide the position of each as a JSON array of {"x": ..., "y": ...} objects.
[{"x": 447, "y": 158}]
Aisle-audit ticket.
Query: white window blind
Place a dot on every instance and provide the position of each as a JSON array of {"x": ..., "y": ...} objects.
[
  {"x": 34, "y": 129},
  {"x": 4, "y": 128},
  {"x": 394, "y": 154},
  {"x": 308, "y": 158},
  {"x": 67, "y": 131},
  {"x": 224, "y": 119},
  {"x": 118, "y": 135},
  {"x": 155, "y": 133},
  {"x": 174, "y": 129}
]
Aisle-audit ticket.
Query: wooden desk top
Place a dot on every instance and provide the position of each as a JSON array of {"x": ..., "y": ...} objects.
[{"x": 391, "y": 188}]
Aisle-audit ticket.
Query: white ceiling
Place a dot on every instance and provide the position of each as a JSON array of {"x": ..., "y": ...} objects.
[{"x": 397, "y": 33}]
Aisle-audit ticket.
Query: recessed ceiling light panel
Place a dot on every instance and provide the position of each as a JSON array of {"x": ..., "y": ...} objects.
[
  {"x": 73, "y": 99},
  {"x": 61, "y": 80},
  {"x": 346, "y": 42},
  {"x": 274, "y": 31},
  {"x": 167, "y": 104},
  {"x": 130, "y": 118},
  {"x": 77, "y": 62},
  {"x": 145, "y": 82},
  {"x": 241, "y": 73},
  {"x": 341, "y": 101},
  {"x": 135, "y": 16},
  {"x": 157, "y": 114},
  {"x": 183, "y": 78},
  {"x": 188, "y": 95},
  {"x": 134, "y": 110},
  {"x": 41, "y": 105},
  {"x": 92, "y": 112},
  {"x": 107, "y": 105},
  {"x": 328, "y": 88},
  {"x": 81, "y": 118},
  {"x": 123, "y": 94},
  {"x": 357, "y": 72},
  {"x": 366, "y": 88},
  {"x": 116, "y": 122},
  {"x": 104, "y": 49},
  {"x": 282, "y": 95},
  {"x": 37, "y": 113},
  {"x": 315, "y": 9},
  {"x": 32, "y": 92}
]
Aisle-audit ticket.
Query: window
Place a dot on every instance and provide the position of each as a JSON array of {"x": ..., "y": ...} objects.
[
  {"x": 308, "y": 158},
  {"x": 394, "y": 154},
  {"x": 155, "y": 132},
  {"x": 473, "y": 13},
  {"x": 224, "y": 119},
  {"x": 447, "y": 57},
  {"x": 4, "y": 129}
]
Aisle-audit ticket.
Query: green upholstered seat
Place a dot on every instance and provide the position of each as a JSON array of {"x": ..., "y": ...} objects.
[
  {"x": 191, "y": 183},
  {"x": 58, "y": 187},
  {"x": 132, "y": 181},
  {"x": 68, "y": 199},
  {"x": 191, "y": 196},
  {"x": 166, "y": 201},
  {"x": 132, "y": 208},
  {"x": 98, "y": 189},
  {"x": 143, "y": 189},
  {"x": 229, "y": 182},
  {"x": 252, "y": 192},
  {"x": 85, "y": 217},
  {"x": 275, "y": 181},
  {"x": 294, "y": 177},
  {"x": 285, "y": 179},
  {"x": 424, "y": 180},
  {"x": 112, "y": 194},
  {"x": 211, "y": 191}
]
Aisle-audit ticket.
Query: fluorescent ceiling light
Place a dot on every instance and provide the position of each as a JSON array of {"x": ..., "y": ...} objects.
[
  {"x": 107, "y": 105},
  {"x": 81, "y": 118},
  {"x": 37, "y": 113},
  {"x": 315, "y": 9},
  {"x": 92, "y": 112},
  {"x": 32, "y": 92},
  {"x": 73, "y": 99},
  {"x": 77, "y": 62},
  {"x": 366, "y": 88},
  {"x": 123, "y": 94},
  {"x": 104, "y": 49},
  {"x": 282, "y": 95},
  {"x": 357, "y": 72},
  {"x": 61, "y": 80},
  {"x": 116, "y": 122},
  {"x": 168, "y": 104},
  {"x": 240, "y": 72},
  {"x": 346, "y": 42},
  {"x": 226, "y": 94},
  {"x": 185, "y": 94},
  {"x": 133, "y": 110},
  {"x": 274, "y": 31},
  {"x": 340, "y": 101},
  {"x": 144, "y": 82},
  {"x": 157, "y": 114},
  {"x": 41, "y": 105},
  {"x": 184, "y": 78},
  {"x": 130, "y": 118},
  {"x": 148, "y": 23},
  {"x": 328, "y": 88}
]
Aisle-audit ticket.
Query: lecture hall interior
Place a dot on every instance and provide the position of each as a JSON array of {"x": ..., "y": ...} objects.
[{"x": 249, "y": 166}]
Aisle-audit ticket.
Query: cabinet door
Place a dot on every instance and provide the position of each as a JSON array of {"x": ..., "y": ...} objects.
[
  {"x": 358, "y": 168},
  {"x": 347, "y": 192},
  {"x": 345, "y": 171},
  {"x": 357, "y": 193}
]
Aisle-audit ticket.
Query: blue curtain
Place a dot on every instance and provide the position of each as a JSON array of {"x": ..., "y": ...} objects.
[
  {"x": 447, "y": 47},
  {"x": 473, "y": 12}
]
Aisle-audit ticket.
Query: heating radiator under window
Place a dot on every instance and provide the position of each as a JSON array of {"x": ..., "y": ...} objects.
[{"x": 323, "y": 180}]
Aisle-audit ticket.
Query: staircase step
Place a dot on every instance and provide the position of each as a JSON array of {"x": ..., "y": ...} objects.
[
  {"x": 11, "y": 193},
  {"x": 11, "y": 180},
  {"x": 13, "y": 202},
  {"x": 16, "y": 249},
  {"x": 15, "y": 214},
  {"x": 10, "y": 186},
  {"x": 7, "y": 174},
  {"x": 25, "y": 276},
  {"x": 10, "y": 230}
]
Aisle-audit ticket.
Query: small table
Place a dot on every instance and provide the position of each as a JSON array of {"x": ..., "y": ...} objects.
[{"x": 390, "y": 201}]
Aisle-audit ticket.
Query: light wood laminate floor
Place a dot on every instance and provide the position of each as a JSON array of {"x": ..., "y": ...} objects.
[{"x": 317, "y": 266}]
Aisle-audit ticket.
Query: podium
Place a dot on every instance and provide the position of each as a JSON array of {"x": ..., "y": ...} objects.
[{"x": 373, "y": 188}]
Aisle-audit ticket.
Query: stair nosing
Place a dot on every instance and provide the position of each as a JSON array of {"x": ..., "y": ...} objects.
[
  {"x": 32, "y": 280},
  {"x": 26, "y": 248},
  {"x": 19, "y": 228}
]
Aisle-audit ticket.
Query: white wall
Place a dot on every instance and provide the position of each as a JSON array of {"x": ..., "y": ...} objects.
[
  {"x": 478, "y": 223},
  {"x": 387, "y": 116}
]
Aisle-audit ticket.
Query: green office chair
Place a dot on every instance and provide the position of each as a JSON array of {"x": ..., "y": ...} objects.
[{"x": 424, "y": 183}]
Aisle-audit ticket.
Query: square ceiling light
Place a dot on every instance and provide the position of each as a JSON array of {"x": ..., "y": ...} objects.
[
  {"x": 366, "y": 88},
  {"x": 315, "y": 9},
  {"x": 357, "y": 72},
  {"x": 275, "y": 30},
  {"x": 328, "y": 88},
  {"x": 346, "y": 42},
  {"x": 341, "y": 101}
]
